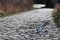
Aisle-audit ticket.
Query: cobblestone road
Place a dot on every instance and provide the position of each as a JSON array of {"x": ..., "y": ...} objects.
[{"x": 23, "y": 26}]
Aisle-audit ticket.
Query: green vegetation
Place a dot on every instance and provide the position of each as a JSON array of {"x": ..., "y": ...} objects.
[
  {"x": 8, "y": 14},
  {"x": 12, "y": 13},
  {"x": 56, "y": 18}
]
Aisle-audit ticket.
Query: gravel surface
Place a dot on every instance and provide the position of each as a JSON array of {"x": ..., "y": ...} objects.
[{"x": 23, "y": 26}]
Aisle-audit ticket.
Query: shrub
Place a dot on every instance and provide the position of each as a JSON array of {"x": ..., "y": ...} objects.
[
  {"x": 56, "y": 19},
  {"x": 15, "y": 5}
]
